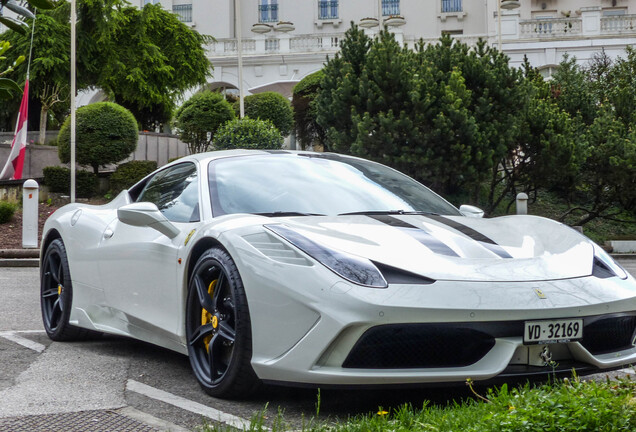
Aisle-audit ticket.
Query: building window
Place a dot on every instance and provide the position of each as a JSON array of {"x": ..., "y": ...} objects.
[
  {"x": 327, "y": 9},
  {"x": 184, "y": 12},
  {"x": 449, "y": 6},
  {"x": 390, "y": 7},
  {"x": 268, "y": 11}
]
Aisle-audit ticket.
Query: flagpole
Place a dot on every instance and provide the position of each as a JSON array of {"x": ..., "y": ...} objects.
[{"x": 73, "y": 48}]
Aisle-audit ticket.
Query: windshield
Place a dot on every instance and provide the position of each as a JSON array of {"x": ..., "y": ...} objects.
[{"x": 323, "y": 184}]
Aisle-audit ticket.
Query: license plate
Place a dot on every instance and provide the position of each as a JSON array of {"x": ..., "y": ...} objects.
[{"x": 541, "y": 332}]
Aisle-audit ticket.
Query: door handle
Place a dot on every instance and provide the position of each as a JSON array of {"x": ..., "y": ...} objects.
[{"x": 108, "y": 233}]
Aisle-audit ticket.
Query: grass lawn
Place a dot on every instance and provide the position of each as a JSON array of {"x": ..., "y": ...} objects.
[{"x": 565, "y": 405}]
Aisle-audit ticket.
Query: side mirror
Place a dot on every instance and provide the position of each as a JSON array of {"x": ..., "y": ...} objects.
[
  {"x": 145, "y": 214},
  {"x": 471, "y": 211}
]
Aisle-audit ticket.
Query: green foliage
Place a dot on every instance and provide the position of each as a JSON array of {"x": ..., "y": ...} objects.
[
  {"x": 247, "y": 133},
  {"x": 143, "y": 59},
  {"x": 573, "y": 91},
  {"x": 608, "y": 175},
  {"x": 58, "y": 179},
  {"x": 271, "y": 106},
  {"x": 105, "y": 133},
  {"x": 199, "y": 118},
  {"x": 338, "y": 99},
  {"x": 7, "y": 210},
  {"x": 8, "y": 88},
  {"x": 152, "y": 57},
  {"x": 129, "y": 173},
  {"x": 565, "y": 406},
  {"x": 308, "y": 131}
]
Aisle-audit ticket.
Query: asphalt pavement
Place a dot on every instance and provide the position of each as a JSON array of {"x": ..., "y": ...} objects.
[{"x": 112, "y": 379}]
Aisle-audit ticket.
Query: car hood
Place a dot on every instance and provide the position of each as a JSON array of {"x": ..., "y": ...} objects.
[{"x": 509, "y": 248}]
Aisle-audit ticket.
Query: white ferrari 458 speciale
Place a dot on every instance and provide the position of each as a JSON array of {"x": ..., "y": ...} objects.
[{"x": 320, "y": 269}]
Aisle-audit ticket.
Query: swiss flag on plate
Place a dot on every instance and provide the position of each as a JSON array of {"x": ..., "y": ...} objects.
[{"x": 13, "y": 168}]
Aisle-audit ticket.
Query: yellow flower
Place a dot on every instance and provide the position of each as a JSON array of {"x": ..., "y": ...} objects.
[{"x": 382, "y": 413}]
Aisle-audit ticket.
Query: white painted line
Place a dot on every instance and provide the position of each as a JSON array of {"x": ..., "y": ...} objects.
[
  {"x": 13, "y": 337},
  {"x": 148, "y": 419},
  {"x": 628, "y": 371},
  {"x": 187, "y": 404},
  {"x": 29, "y": 331}
]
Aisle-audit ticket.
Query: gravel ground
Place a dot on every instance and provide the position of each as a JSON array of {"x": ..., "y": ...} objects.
[{"x": 11, "y": 232}]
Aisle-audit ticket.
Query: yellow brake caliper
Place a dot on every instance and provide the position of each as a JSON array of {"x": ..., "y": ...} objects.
[{"x": 206, "y": 316}]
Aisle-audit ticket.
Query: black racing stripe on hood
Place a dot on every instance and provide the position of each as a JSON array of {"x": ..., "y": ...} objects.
[
  {"x": 485, "y": 241},
  {"x": 418, "y": 234}
]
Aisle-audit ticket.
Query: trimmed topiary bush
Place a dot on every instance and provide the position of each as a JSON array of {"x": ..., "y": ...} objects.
[
  {"x": 106, "y": 133},
  {"x": 130, "y": 173},
  {"x": 308, "y": 131},
  {"x": 7, "y": 210},
  {"x": 58, "y": 179},
  {"x": 271, "y": 106},
  {"x": 198, "y": 119},
  {"x": 248, "y": 133}
]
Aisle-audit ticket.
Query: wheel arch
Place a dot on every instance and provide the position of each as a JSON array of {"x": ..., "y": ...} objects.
[
  {"x": 199, "y": 249},
  {"x": 51, "y": 235}
]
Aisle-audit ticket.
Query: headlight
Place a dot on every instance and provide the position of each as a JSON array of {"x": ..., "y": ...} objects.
[
  {"x": 358, "y": 270},
  {"x": 605, "y": 266}
]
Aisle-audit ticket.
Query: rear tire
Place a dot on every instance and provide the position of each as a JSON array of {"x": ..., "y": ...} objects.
[
  {"x": 218, "y": 327},
  {"x": 56, "y": 295}
]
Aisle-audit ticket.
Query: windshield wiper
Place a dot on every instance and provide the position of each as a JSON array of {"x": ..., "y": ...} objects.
[
  {"x": 287, "y": 213},
  {"x": 388, "y": 212}
]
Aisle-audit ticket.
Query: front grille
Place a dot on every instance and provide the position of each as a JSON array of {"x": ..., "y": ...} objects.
[
  {"x": 609, "y": 334},
  {"x": 408, "y": 346}
]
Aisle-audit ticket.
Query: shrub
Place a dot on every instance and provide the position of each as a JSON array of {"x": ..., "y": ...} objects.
[
  {"x": 58, "y": 179},
  {"x": 248, "y": 133},
  {"x": 199, "y": 118},
  {"x": 273, "y": 107},
  {"x": 308, "y": 131},
  {"x": 130, "y": 173},
  {"x": 106, "y": 133},
  {"x": 7, "y": 210}
]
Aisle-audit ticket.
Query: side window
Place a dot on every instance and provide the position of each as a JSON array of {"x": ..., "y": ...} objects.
[{"x": 175, "y": 191}]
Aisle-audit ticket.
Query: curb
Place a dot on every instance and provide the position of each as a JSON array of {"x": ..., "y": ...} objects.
[
  {"x": 19, "y": 253},
  {"x": 19, "y": 262}
]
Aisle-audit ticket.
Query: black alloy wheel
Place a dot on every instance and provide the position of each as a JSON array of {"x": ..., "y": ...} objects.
[
  {"x": 56, "y": 295},
  {"x": 218, "y": 328}
]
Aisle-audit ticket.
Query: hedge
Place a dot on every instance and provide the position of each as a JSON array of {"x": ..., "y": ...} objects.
[{"x": 58, "y": 179}]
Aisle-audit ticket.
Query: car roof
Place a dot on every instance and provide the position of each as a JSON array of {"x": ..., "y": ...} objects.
[{"x": 219, "y": 154}]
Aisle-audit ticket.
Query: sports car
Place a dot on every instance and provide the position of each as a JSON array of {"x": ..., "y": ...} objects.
[{"x": 320, "y": 269}]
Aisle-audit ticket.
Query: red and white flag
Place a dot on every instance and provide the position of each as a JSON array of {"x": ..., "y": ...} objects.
[{"x": 13, "y": 168}]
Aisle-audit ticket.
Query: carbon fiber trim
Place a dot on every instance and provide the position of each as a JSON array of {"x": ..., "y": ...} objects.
[
  {"x": 417, "y": 233},
  {"x": 485, "y": 241}
]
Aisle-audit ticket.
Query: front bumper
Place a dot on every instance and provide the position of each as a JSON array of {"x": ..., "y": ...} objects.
[{"x": 306, "y": 322}]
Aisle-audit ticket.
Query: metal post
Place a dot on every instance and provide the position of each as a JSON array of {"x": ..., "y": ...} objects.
[
  {"x": 30, "y": 198},
  {"x": 522, "y": 203},
  {"x": 239, "y": 46},
  {"x": 499, "y": 24},
  {"x": 73, "y": 90}
]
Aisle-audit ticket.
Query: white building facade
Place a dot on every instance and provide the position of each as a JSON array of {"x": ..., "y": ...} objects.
[{"x": 285, "y": 40}]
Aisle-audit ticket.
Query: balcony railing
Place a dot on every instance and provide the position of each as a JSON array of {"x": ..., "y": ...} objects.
[
  {"x": 307, "y": 43},
  {"x": 618, "y": 24},
  {"x": 268, "y": 13},
  {"x": 390, "y": 7},
  {"x": 327, "y": 10},
  {"x": 449, "y": 6},
  {"x": 550, "y": 28}
]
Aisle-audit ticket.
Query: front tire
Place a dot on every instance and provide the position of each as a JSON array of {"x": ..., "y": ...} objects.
[
  {"x": 56, "y": 295},
  {"x": 218, "y": 328}
]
